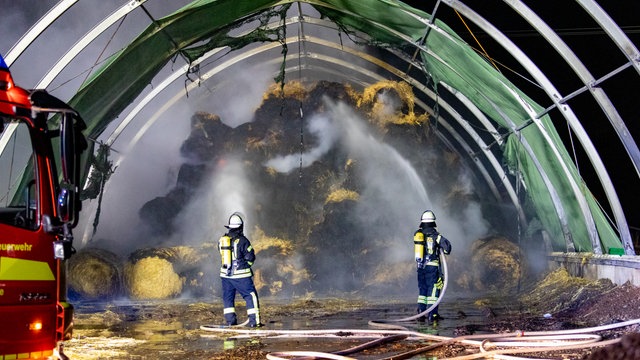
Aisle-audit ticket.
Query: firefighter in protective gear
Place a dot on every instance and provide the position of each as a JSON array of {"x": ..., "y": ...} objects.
[
  {"x": 427, "y": 244},
  {"x": 237, "y": 257}
]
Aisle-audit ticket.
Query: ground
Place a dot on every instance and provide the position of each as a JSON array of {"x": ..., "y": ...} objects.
[{"x": 169, "y": 330}]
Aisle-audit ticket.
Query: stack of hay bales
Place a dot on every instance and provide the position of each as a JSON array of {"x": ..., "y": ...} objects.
[{"x": 95, "y": 274}]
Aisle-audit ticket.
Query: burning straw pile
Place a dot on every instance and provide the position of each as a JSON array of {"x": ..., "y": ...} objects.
[{"x": 322, "y": 215}]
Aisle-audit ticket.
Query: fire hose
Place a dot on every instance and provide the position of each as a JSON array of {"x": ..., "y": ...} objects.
[
  {"x": 494, "y": 346},
  {"x": 388, "y": 323},
  {"x": 518, "y": 342}
]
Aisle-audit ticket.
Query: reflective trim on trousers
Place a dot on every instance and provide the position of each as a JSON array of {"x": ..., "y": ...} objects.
[
  {"x": 422, "y": 299},
  {"x": 255, "y": 310},
  {"x": 229, "y": 310}
]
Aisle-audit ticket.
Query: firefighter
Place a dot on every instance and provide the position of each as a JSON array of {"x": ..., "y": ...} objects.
[
  {"x": 237, "y": 257},
  {"x": 427, "y": 244}
]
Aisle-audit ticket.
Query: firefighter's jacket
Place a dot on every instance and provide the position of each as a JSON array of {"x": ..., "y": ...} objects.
[
  {"x": 237, "y": 255},
  {"x": 427, "y": 244}
]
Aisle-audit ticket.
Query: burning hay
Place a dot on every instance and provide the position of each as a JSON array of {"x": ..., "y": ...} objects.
[
  {"x": 329, "y": 175},
  {"x": 559, "y": 291},
  {"x": 495, "y": 264},
  {"x": 95, "y": 274},
  {"x": 391, "y": 102},
  {"x": 279, "y": 268},
  {"x": 342, "y": 195}
]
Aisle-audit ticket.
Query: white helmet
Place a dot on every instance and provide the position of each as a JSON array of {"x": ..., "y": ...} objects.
[
  {"x": 235, "y": 221},
  {"x": 428, "y": 216}
]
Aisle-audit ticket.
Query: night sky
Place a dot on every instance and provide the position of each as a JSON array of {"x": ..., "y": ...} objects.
[{"x": 598, "y": 53}]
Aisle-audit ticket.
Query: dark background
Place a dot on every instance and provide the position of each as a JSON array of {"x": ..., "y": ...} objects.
[{"x": 597, "y": 52}]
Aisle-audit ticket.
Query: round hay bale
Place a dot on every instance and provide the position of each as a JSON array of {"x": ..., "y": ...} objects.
[
  {"x": 152, "y": 278},
  {"x": 94, "y": 274},
  {"x": 191, "y": 264},
  {"x": 495, "y": 264}
]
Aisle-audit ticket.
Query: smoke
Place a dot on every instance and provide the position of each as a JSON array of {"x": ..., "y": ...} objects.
[
  {"x": 236, "y": 107},
  {"x": 326, "y": 134},
  {"x": 148, "y": 169},
  {"x": 393, "y": 194},
  {"x": 390, "y": 103},
  {"x": 224, "y": 192}
]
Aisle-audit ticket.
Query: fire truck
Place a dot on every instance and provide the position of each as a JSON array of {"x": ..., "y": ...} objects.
[{"x": 41, "y": 144}]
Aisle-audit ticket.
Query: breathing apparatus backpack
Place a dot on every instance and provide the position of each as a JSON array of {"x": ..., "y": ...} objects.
[
  {"x": 226, "y": 252},
  {"x": 426, "y": 248}
]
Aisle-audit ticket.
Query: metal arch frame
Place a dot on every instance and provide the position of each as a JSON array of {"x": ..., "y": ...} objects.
[
  {"x": 588, "y": 217},
  {"x": 553, "y": 94},
  {"x": 601, "y": 98},
  {"x": 38, "y": 28},
  {"x": 552, "y": 190},
  {"x": 616, "y": 34},
  {"x": 86, "y": 40}
]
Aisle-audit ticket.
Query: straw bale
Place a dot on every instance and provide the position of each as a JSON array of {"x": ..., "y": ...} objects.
[
  {"x": 496, "y": 264},
  {"x": 95, "y": 273},
  {"x": 152, "y": 278}
]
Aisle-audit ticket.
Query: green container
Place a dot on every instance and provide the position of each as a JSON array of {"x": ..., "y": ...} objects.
[{"x": 616, "y": 251}]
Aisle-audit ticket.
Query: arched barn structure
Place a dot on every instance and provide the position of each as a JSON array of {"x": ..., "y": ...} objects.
[{"x": 536, "y": 105}]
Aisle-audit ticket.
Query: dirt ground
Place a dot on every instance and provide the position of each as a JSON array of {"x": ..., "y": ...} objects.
[{"x": 171, "y": 329}]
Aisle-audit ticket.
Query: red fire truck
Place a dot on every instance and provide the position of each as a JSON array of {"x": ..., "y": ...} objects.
[{"x": 41, "y": 143}]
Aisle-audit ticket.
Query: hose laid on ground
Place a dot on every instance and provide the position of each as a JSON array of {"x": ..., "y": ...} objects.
[
  {"x": 387, "y": 323},
  {"x": 552, "y": 342},
  {"x": 313, "y": 354},
  {"x": 518, "y": 342},
  {"x": 535, "y": 341},
  {"x": 337, "y": 354},
  {"x": 205, "y": 327}
]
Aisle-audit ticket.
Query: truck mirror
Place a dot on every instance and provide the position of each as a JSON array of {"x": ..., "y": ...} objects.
[
  {"x": 67, "y": 148},
  {"x": 65, "y": 205}
]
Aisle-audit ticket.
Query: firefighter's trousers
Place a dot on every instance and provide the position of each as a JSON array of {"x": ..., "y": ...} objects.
[
  {"x": 247, "y": 290},
  {"x": 428, "y": 293}
]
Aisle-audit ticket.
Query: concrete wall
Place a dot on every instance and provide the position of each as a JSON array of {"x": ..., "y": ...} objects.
[{"x": 618, "y": 268}]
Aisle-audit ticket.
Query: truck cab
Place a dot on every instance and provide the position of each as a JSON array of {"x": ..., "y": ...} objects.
[{"x": 41, "y": 145}]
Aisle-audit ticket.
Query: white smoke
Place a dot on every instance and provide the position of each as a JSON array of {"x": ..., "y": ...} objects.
[
  {"x": 326, "y": 134},
  {"x": 390, "y": 103},
  {"x": 393, "y": 195},
  {"x": 222, "y": 194},
  {"x": 237, "y": 107}
]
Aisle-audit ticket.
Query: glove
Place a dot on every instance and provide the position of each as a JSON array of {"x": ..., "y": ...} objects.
[{"x": 439, "y": 284}]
